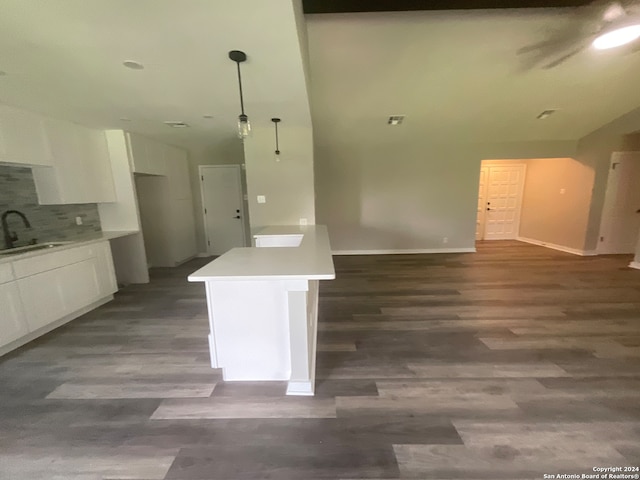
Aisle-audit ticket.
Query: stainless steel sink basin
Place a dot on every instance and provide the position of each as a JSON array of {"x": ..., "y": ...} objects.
[{"x": 31, "y": 248}]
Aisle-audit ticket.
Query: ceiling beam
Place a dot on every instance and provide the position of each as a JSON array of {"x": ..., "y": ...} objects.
[{"x": 352, "y": 6}]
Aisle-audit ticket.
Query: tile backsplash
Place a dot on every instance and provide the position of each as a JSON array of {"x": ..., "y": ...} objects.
[{"x": 48, "y": 222}]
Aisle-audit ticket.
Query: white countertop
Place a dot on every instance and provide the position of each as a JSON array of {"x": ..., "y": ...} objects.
[
  {"x": 99, "y": 237},
  {"x": 311, "y": 260}
]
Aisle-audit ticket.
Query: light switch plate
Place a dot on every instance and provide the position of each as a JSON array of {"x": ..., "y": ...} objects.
[
  {"x": 262, "y": 199},
  {"x": 78, "y": 220}
]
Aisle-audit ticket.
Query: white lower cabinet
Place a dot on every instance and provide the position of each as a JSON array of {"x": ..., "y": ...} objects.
[
  {"x": 54, "y": 286},
  {"x": 12, "y": 318},
  {"x": 42, "y": 298}
]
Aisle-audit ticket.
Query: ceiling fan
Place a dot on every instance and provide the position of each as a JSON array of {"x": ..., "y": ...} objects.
[{"x": 602, "y": 24}]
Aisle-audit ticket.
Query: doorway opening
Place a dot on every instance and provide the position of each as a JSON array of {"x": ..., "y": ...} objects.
[{"x": 500, "y": 195}]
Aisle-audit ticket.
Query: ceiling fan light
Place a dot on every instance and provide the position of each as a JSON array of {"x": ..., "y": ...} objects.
[{"x": 617, "y": 37}]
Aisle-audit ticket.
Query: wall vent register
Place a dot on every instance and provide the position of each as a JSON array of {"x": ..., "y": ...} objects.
[{"x": 395, "y": 119}]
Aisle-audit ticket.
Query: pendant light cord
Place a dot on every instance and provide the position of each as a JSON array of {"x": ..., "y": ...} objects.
[
  {"x": 240, "y": 85},
  {"x": 277, "y": 144}
]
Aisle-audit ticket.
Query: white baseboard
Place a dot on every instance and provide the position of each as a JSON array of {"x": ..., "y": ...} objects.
[
  {"x": 403, "y": 251},
  {"x": 301, "y": 388},
  {"x": 204, "y": 255},
  {"x": 185, "y": 260},
  {"x": 635, "y": 265},
  {"x": 562, "y": 248}
]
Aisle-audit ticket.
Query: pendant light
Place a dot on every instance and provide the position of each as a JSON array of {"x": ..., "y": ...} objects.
[
  {"x": 277, "y": 152},
  {"x": 244, "y": 127}
]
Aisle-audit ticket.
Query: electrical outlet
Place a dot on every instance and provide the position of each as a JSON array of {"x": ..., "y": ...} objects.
[
  {"x": 262, "y": 199},
  {"x": 303, "y": 221},
  {"x": 445, "y": 239},
  {"x": 78, "y": 220}
]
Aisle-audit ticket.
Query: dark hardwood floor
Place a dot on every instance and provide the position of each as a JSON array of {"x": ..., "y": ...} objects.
[{"x": 511, "y": 363}]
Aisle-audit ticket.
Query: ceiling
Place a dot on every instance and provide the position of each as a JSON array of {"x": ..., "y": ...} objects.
[
  {"x": 457, "y": 78},
  {"x": 455, "y": 74},
  {"x": 64, "y": 58},
  {"x": 352, "y": 6}
]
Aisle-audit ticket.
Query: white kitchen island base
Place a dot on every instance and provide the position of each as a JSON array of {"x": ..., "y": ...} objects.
[{"x": 263, "y": 307}]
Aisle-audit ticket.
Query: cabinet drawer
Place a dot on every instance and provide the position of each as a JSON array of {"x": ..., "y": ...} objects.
[
  {"x": 6, "y": 273},
  {"x": 49, "y": 261}
]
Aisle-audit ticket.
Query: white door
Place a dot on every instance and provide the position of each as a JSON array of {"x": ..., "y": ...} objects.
[
  {"x": 504, "y": 186},
  {"x": 482, "y": 192},
  {"x": 620, "y": 225},
  {"x": 222, "y": 201}
]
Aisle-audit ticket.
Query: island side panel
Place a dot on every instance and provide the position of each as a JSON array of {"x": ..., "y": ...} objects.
[
  {"x": 303, "y": 315},
  {"x": 250, "y": 328}
]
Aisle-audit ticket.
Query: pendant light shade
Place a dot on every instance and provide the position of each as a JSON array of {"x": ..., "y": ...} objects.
[
  {"x": 277, "y": 151},
  {"x": 244, "y": 126}
]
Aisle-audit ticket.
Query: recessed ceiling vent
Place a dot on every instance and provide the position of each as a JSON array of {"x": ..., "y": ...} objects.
[
  {"x": 545, "y": 114},
  {"x": 395, "y": 119},
  {"x": 176, "y": 124}
]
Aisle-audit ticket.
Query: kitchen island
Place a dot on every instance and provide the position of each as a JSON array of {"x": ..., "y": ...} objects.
[{"x": 263, "y": 306}]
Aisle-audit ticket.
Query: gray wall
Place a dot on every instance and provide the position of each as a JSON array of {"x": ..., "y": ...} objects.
[
  {"x": 48, "y": 222},
  {"x": 288, "y": 185},
  {"x": 374, "y": 194},
  {"x": 227, "y": 152},
  {"x": 595, "y": 151}
]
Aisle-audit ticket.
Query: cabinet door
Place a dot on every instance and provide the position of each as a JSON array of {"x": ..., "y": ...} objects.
[
  {"x": 51, "y": 295},
  {"x": 95, "y": 157},
  {"x": 81, "y": 171},
  {"x": 22, "y": 138},
  {"x": 12, "y": 320},
  {"x": 80, "y": 284},
  {"x": 42, "y": 298}
]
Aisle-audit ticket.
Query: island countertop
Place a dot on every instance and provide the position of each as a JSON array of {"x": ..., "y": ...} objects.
[{"x": 310, "y": 260}]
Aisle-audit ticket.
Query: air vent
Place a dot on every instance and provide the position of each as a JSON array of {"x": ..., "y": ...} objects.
[
  {"x": 176, "y": 124},
  {"x": 395, "y": 119},
  {"x": 545, "y": 114}
]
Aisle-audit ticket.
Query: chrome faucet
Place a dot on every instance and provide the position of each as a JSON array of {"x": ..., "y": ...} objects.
[{"x": 10, "y": 237}]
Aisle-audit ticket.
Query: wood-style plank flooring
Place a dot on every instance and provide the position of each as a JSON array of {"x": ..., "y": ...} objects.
[{"x": 511, "y": 363}]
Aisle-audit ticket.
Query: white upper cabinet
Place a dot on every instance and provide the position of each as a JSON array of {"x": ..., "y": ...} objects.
[
  {"x": 81, "y": 170},
  {"x": 22, "y": 138},
  {"x": 147, "y": 156}
]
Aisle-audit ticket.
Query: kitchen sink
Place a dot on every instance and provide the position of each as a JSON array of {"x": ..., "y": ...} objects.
[{"x": 32, "y": 248}]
